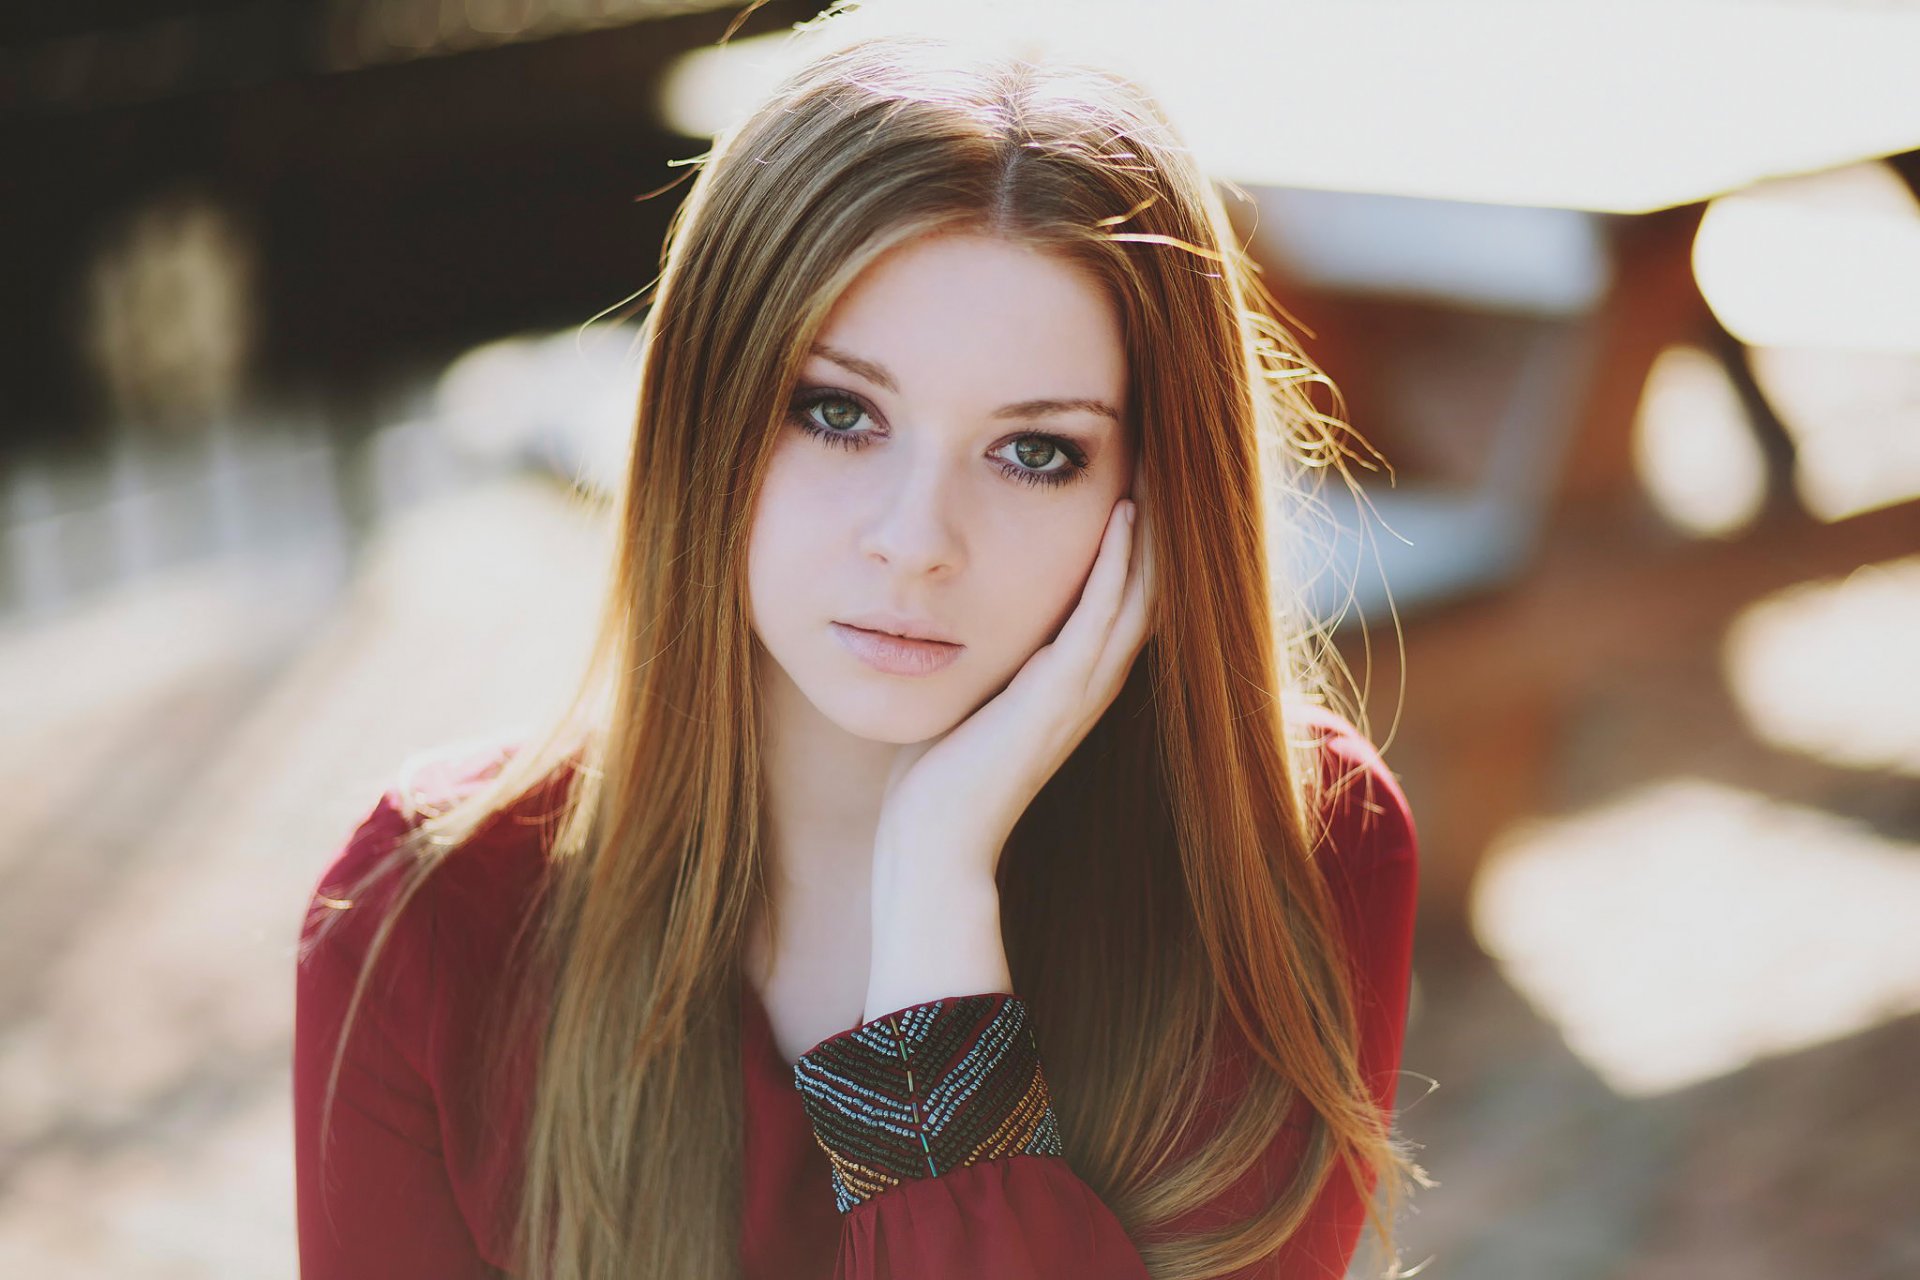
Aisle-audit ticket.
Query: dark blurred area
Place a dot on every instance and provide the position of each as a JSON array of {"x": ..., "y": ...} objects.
[
  {"x": 319, "y": 344},
  {"x": 311, "y": 197}
]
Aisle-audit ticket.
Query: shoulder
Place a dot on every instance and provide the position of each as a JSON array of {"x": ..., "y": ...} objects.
[
  {"x": 424, "y": 784},
  {"x": 1366, "y": 848},
  {"x": 1364, "y": 822},
  {"x": 365, "y": 874},
  {"x": 1368, "y": 853}
]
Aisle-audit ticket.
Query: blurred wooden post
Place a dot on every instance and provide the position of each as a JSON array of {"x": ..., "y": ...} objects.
[{"x": 1652, "y": 303}]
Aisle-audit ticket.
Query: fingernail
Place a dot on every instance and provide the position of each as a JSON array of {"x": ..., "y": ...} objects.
[{"x": 1129, "y": 511}]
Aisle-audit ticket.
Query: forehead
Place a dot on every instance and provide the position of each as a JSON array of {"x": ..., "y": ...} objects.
[{"x": 981, "y": 317}]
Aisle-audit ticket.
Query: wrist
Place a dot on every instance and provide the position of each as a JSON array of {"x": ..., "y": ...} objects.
[
  {"x": 928, "y": 885},
  {"x": 919, "y": 864},
  {"x": 933, "y": 936}
]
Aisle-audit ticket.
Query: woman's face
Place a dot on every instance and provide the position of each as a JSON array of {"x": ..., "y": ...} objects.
[{"x": 968, "y": 392}]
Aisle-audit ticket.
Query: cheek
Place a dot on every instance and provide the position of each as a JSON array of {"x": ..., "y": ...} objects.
[
  {"x": 786, "y": 541},
  {"x": 1038, "y": 576},
  {"x": 804, "y": 493}
]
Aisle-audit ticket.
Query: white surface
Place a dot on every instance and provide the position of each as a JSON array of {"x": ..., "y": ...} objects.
[{"x": 1625, "y": 106}]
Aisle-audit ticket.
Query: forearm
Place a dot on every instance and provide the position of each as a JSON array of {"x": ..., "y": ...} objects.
[{"x": 935, "y": 933}]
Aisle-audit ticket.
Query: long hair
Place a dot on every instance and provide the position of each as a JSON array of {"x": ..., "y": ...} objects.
[{"x": 1159, "y": 890}]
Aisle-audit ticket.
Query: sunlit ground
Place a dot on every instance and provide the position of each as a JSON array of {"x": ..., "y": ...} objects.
[
  {"x": 1855, "y": 419},
  {"x": 1827, "y": 669},
  {"x": 1853, "y": 416},
  {"x": 1680, "y": 932},
  {"x": 1820, "y": 276},
  {"x": 1828, "y": 259},
  {"x": 201, "y": 741},
  {"x": 1695, "y": 453}
]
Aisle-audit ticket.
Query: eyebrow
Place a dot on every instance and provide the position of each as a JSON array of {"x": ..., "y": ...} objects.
[{"x": 1024, "y": 409}]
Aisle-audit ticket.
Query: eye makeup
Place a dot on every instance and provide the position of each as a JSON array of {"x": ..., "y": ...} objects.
[{"x": 808, "y": 398}]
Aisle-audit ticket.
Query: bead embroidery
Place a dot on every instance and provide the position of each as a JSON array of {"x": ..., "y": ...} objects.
[{"x": 925, "y": 1090}]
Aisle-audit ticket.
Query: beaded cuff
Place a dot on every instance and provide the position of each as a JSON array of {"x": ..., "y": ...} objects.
[{"x": 927, "y": 1089}]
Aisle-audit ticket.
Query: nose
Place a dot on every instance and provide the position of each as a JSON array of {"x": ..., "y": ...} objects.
[{"x": 912, "y": 529}]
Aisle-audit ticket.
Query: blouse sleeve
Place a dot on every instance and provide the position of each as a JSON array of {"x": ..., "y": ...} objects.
[
  {"x": 945, "y": 1151},
  {"x": 373, "y": 1197}
]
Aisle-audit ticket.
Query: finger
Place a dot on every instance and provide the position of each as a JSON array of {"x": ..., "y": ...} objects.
[
  {"x": 1084, "y": 633},
  {"x": 1129, "y": 632}
]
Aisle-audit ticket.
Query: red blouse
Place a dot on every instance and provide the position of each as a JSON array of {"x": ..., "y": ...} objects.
[{"x": 920, "y": 1143}]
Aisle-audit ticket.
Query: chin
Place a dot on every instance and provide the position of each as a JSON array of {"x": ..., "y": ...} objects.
[{"x": 899, "y": 712}]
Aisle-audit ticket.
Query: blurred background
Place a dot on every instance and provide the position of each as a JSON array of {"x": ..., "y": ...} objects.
[{"x": 318, "y": 323}]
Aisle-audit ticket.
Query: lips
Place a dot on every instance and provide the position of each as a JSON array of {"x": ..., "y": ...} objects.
[
  {"x": 896, "y": 655},
  {"x": 899, "y": 624}
]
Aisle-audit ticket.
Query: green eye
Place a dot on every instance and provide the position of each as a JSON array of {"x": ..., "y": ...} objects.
[
  {"x": 1035, "y": 451},
  {"x": 840, "y": 414}
]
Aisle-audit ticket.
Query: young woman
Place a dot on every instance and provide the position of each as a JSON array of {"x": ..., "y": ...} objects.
[{"x": 947, "y": 868}]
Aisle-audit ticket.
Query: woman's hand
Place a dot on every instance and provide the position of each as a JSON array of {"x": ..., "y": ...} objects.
[{"x": 953, "y": 800}]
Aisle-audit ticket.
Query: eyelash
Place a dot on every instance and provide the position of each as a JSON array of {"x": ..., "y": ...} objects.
[{"x": 809, "y": 397}]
